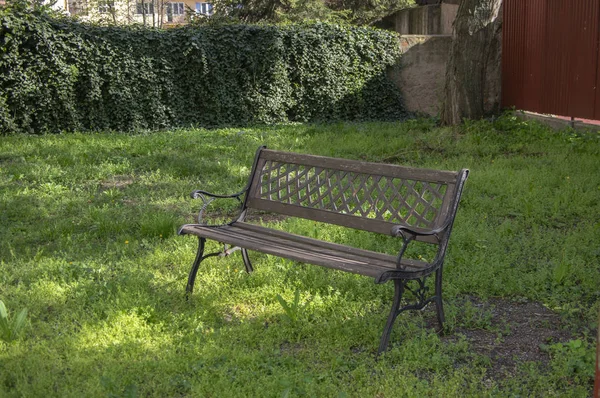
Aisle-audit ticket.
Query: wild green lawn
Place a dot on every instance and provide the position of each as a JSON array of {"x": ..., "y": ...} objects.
[{"x": 88, "y": 245}]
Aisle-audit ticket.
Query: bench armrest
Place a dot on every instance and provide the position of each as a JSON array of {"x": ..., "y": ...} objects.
[
  {"x": 198, "y": 193},
  {"x": 207, "y": 198},
  {"x": 405, "y": 232},
  {"x": 409, "y": 234},
  {"x": 212, "y": 196}
]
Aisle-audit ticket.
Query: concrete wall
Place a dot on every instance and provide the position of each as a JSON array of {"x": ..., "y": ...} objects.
[
  {"x": 434, "y": 19},
  {"x": 448, "y": 13},
  {"x": 421, "y": 72},
  {"x": 425, "y": 43}
]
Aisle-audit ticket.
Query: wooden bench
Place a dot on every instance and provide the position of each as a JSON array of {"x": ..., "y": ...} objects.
[{"x": 408, "y": 203}]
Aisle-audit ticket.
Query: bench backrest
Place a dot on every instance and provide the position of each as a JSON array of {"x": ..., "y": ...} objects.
[{"x": 361, "y": 195}]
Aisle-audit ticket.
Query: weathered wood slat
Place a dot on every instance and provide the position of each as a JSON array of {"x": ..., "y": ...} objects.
[
  {"x": 329, "y": 217},
  {"x": 315, "y": 242},
  {"x": 361, "y": 167},
  {"x": 304, "y": 249}
]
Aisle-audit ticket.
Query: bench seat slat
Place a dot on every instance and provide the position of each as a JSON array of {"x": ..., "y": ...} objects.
[
  {"x": 304, "y": 249},
  {"x": 316, "y": 242}
]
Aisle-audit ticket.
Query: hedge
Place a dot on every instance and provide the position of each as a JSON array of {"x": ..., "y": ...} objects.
[{"x": 60, "y": 75}]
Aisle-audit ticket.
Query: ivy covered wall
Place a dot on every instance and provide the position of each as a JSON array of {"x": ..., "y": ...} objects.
[{"x": 60, "y": 75}]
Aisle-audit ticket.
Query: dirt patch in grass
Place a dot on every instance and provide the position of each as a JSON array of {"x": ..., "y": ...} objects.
[
  {"x": 118, "y": 182},
  {"x": 516, "y": 333},
  {"x": 291, "y": 348}
]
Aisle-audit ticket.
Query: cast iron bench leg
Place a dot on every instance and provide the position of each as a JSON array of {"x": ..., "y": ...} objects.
[
  {"x": 438, "y": 298},
  {"x": 200, "y": 257},
  {"x": 385, "y": 338},
  {"x": 247, "y": 262},
  {"x": 197, "y": 261}
]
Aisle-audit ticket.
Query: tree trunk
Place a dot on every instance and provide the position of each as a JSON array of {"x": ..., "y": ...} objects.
[
  {"x": 161, "y": 12},
  {"x": 144, "y": 12},
  {"x": 129, "y": 13},
  {"x": 473, "y": 69},
  {"x": 153, "y": 13}
]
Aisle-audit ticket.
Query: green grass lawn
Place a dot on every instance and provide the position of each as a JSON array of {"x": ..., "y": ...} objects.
[{"x": 88, "y": 245}]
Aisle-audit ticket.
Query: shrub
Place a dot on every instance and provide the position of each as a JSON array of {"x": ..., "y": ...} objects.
[{"x": 60, "y": 75}]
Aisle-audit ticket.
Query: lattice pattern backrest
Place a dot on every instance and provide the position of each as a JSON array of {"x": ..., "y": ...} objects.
[{"x": 388, "y": 198}]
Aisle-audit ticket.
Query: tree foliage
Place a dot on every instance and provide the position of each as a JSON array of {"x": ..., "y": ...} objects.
[
  {"x": 60, "y": 75},
  {"x": 360, "y": 12}
]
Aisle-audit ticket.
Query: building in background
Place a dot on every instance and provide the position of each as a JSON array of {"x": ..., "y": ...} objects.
[
  {"x": 156, "y": 13},
  {"x": 58, "y": 6}
]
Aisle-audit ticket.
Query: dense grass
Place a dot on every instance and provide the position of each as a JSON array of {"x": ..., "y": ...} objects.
[{"x": 88, "y": 245}]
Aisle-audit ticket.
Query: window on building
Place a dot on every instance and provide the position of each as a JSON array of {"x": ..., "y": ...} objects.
[
  {"x": 204, "y": 8},
  {"x": 175, "y": 8},
  {"x": 144, "y": 8},
  {"x": 76, "y": 7},
  {"x": 105, "y": 6}
]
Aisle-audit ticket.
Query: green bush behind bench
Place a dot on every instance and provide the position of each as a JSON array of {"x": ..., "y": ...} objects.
[{"x": 60, "y": 75}]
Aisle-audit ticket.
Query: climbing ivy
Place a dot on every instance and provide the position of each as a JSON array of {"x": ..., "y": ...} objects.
[{"x": 59, "y": 75}]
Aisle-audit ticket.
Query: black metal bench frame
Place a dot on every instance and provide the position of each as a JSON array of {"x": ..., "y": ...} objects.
[{"x": 409, "y": 203}]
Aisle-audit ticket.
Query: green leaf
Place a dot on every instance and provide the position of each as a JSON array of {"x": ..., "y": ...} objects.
[
  {"x": 19, "y": 322},
  {"x": 561, "y": 271},
  {"x": 296, "y": 298},
  {"x": 3, "y": 312},
  {"x": 9, "y": 331},
  {"x": 284, "y": 305}
]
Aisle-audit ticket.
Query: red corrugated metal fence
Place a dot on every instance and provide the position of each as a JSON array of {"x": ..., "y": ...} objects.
[{"x": 550, "y": 54}]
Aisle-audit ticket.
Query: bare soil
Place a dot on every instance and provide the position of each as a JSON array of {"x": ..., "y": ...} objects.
[
  {"x": 118, "y": 182},
  {"x": 517, "y": 332}
]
